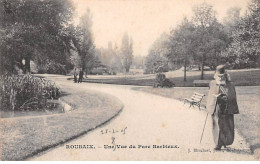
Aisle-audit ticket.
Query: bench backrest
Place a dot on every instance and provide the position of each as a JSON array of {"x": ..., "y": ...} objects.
[
  {"x": 201, "y": 81},
  {"x": 197, "y": 96}
]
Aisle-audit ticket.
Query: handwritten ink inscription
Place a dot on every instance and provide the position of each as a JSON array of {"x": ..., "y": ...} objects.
[{"x": 113, "y": 131}]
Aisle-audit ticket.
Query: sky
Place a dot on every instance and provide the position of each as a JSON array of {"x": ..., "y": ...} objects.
[{"x": 143, "y": 20}]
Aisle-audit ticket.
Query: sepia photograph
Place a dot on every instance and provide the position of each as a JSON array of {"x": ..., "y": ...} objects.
[{"x": 129, "y": 80}]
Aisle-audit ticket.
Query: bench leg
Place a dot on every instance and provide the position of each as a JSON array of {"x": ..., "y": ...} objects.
[{"x": 191, "y": 105}]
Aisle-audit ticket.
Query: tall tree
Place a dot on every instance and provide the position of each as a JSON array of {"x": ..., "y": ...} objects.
[
  {"x": 183, "y": 42},
  {"x": 126, "y": 52},
  {"x": 203, "y": 18},
  {"x": 218, "y": 41},
  {"x": 83, "y": 41}
]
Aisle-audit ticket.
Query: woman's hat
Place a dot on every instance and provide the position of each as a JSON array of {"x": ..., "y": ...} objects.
[
  {"x": 220, "y": 69},
  {"x": 221, "y": 74}
]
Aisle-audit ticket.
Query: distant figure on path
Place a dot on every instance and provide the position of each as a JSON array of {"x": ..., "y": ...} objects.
[
  {"x": 222, "y": 105},
  {"x": 75, "y": 75},
  {"x": 80, "y": 75}
]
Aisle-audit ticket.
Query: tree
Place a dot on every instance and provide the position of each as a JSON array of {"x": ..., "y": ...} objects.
[
  {"x": 215, "y": 40},
  {"x": 157, "y": 55},
  {"x": 203, "y": 18},
  {"x": 244, "y": 50},
  {"x": 211, "y": 37},
  {"x": 34, "y": 30},
  {"x": 83, "y": 42},
  {"x": 183, "y": 42},
  {"x": 126, "y": 52},
  {"x": 155, "y": 63}
]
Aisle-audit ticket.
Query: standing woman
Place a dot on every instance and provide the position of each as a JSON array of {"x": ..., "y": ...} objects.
[{"x": 222, "y": 105}]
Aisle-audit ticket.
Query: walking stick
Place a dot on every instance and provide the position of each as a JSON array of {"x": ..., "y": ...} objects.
[{"x": 204, "y": 127}]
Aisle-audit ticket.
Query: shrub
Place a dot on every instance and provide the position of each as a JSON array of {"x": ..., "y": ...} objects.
[
  {"x": 56, "y": 68},
  {"x": 162, "y": 81},
  {"x": 52, "y": 68},
  {"x": 26, "y": 92}
]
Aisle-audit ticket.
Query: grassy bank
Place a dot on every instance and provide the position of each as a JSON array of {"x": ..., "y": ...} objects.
[
  {"x": 23, "y": 137},
  {"x": 247, "y": 122},
  {"x": 245, "y": 77}
]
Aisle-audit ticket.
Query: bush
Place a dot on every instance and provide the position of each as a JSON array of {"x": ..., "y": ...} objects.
[
  {"x": 162, "y": 81},
  {"x": 56, "y": 68},
  {"x": 26, "y": 92},
  {"x": 52, "y": 68}
]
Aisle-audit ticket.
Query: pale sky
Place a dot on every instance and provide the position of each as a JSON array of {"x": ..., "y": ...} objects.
[{"x": 144, "y": 20}]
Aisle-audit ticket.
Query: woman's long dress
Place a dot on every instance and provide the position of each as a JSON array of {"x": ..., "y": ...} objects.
[{"x": 223, "y": 113}]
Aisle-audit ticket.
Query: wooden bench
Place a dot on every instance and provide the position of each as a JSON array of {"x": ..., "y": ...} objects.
[
  {"x": 195, "y": 99},
  {"x": 201, "y": 83}
]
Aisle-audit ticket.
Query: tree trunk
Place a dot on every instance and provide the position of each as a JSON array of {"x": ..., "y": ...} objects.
[
  {"x": 217, "y": 60},
  {"x": 27, "y": 65},
  {"x": 185, "y": 66},
  {"x": 127, "y": 69},
  {"x": 86, "y": 74},
  {"x": 12, "y": 66},
  {"x": 202, "y": 67}
]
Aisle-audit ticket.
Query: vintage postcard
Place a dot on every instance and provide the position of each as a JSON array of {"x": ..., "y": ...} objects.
[{"x": 129, "y": 80}]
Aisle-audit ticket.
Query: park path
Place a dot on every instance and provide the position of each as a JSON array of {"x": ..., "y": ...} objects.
[{"x": 146, "y": 120}]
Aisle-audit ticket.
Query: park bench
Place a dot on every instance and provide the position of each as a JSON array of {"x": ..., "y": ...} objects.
[
  {"x": 195, "y": 99},
  {"x": 201, "y": 83}
]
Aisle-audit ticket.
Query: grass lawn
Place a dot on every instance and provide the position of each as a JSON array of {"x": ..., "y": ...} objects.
[
  {"x": 244, "y": 77},
  {"x": 23, "y": 137},
  {"x": 247, "y": 122}
]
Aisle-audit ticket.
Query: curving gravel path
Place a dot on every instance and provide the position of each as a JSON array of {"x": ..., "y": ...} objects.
[{"x": 147, "y": 120}]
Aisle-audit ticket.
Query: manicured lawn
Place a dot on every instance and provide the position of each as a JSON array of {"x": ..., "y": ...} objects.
[
  {"x": 23, "y": 137},
  {"x": 244, "y": 77},
  {"x": 247, "y": 122}
]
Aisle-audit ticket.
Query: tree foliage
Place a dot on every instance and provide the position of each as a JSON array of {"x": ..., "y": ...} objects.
[
  {"x": 206, "y": 42},
  {"x": 126, "y": 52},
  {"x": 110, "y": 58},
  {"x": 204, "y": 18},
  {"x": 203, "y": 15},
  {"x": 84, "y": 44},
  {"x": 199, "y": 42},
  {"x": 157, "y": 55},
  {"x": 183, "y": 42},
  {"x": 34, "y": 30},
  {"x": 244, "y": 51}
]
